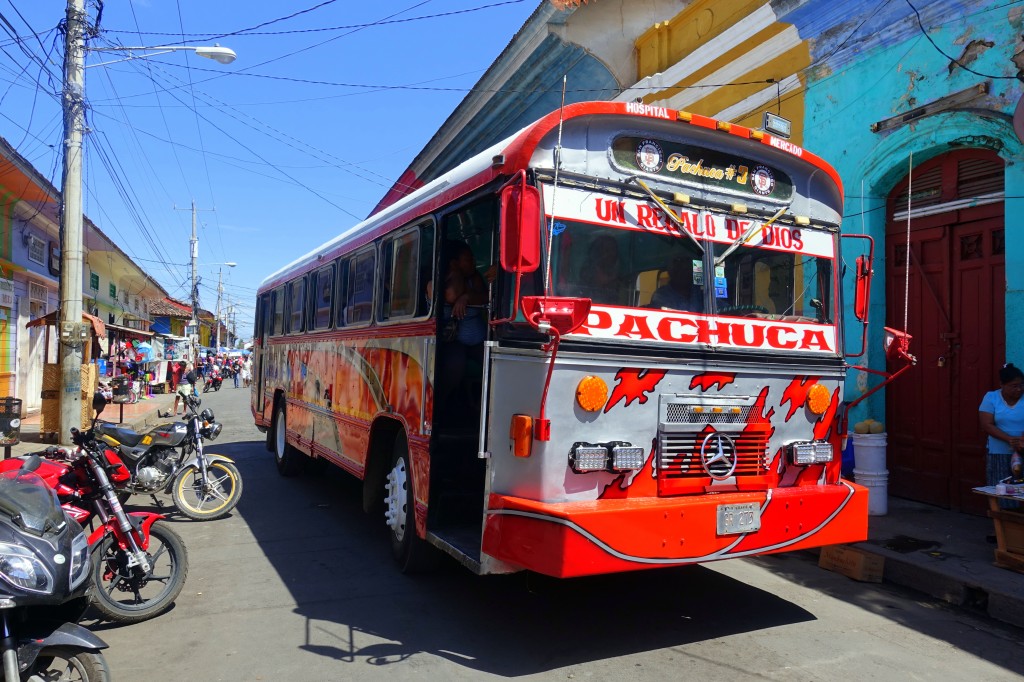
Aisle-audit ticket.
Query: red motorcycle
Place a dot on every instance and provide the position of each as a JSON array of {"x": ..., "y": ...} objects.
[
  {"x": 213, "y": 382},
  {"x": 139, "y": 563}
]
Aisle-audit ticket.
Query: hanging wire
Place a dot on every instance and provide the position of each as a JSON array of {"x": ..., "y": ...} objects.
[
  {"x": 906, "y": 277},
  {"x": 554, "y": 191}
]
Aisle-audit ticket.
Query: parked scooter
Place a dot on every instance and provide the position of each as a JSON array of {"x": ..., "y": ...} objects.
[
  {"x": 139, "y": 563},
  {"x": 44, "y": 566},
  {"x": 213, "y": 382},
  {"x": 170, "y": 457}
]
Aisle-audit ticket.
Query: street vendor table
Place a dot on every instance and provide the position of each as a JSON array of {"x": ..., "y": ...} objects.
[{"x": 1009, "y": 528}]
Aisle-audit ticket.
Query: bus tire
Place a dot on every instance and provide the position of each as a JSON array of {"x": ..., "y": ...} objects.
[
  {"x": 412, "y": 553},
  {"x": 285, "y": 456}
]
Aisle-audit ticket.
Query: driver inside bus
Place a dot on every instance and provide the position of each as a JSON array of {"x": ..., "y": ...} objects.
[
  {"x": 600, "y": 278},
  {"x": 680, "y": 293}
]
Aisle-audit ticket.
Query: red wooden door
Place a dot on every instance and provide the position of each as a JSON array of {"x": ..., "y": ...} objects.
[{"x": 956, "y": 297}]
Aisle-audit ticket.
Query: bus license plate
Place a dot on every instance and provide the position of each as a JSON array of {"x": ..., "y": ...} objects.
[{"x": 739, "y": 518}]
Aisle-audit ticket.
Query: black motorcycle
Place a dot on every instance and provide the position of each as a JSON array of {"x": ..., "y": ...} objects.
[
  {"x": 170, "y": 457},
  {"x": 44, "y": 571}
]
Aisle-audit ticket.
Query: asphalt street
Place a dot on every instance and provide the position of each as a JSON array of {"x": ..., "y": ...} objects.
[{"x": 298, "y": 584}]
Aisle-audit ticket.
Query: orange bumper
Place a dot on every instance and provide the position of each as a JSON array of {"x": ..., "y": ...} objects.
[{"x": 608, "y": 536}]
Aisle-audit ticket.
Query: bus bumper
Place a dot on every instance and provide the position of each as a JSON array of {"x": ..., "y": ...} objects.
[{"x": 608, "y": 536}]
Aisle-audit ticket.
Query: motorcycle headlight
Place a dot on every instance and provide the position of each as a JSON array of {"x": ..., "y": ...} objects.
[
  {"x": 23, "y": 570},
  {"x": 212, "y": 431},
  {"x": 206, "y": 415},
  {"x": 79, "y": 559}
]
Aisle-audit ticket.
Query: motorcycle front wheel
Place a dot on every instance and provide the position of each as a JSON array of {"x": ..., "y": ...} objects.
[
  {"x": 218, "y": 497},
  {"x": 67, "y": 663},
  {"x": 206, "y": 386},
  {"x": 126, "y": 594}
]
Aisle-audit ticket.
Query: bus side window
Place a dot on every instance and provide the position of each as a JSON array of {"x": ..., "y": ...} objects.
[
  {"x": 278, "y": 329},
  {"x": 340, "y": 295},
  {"x": 359, "y": 306},
  {"x": 426, "y": 270},
  {"x": 296, "y": 309},
  {"x": 322, "y": 290}
]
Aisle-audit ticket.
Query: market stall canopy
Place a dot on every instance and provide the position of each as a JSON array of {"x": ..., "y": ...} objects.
[{"x": 51, "y": 319}]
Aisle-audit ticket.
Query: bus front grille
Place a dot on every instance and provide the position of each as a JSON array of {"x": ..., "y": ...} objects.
[{"x": 679, "y": 455}]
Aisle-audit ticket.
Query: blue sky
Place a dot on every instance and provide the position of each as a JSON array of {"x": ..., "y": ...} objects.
[{"x": 327, "y": 103}]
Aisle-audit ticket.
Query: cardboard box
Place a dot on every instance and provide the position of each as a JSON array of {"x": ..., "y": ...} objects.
[{"x": 852, "y": 562}]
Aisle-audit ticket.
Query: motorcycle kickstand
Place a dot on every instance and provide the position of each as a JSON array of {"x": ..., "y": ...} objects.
[{"x": 157, "y": 502}]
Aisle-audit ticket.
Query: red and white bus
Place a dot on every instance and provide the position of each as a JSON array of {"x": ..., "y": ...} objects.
[{"x": 656, "y": 372}]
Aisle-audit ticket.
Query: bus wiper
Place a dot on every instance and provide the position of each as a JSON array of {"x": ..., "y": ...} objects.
[
  {"x": 748, "y": 235},
  {"x": 668, "y": 211}
]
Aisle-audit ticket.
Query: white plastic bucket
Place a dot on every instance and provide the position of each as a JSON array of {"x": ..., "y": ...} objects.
[
  {"x": 877, "y": 483},
  {"x": 869, "y": 452}
]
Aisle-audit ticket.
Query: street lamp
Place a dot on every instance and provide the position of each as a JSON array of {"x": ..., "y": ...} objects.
[
  {"x": 221, "y": 55},
  {"x": 71, "y": 332}
]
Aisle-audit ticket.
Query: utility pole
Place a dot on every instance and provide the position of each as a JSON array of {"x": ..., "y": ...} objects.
[
  {"x": 220, "y": 292},
  {"x": 70, "y": 331},
  {"x": 193, "y": 245}
]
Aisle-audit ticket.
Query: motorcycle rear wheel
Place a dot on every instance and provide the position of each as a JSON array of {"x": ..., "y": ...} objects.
[
  {"x": 68, "y": 663},
  {"x": 206, "y": 505},
  {"x": 119, "y": 595}
]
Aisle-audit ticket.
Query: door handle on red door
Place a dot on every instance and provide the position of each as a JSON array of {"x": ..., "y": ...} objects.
[{"x": 942, "y": 361}]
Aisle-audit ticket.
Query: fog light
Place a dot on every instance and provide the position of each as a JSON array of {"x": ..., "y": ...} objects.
[
  {"x": 626, "y": 457},
  {"x": 810, "y": 452},
  {"x": 586, "y": 457}
]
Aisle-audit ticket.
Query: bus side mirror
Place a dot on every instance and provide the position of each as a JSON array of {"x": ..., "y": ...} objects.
[
  {"x": 520, "y": 228},
  {"x": 862, "y": 295}
]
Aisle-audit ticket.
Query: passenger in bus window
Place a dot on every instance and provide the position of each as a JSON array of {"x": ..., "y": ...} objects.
[
  {"x": 680, "y": 293},
  {"x": 600, "y": 277}
]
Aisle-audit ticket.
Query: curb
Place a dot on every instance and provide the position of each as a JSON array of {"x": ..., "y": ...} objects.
[{"x": 955, "y": 584}]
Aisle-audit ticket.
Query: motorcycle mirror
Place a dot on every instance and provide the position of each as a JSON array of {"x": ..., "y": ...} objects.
[{"x": 31, "y": 463}]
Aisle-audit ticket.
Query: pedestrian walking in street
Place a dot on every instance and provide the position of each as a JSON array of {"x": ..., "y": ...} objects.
[{"x": 186, "y": 388}]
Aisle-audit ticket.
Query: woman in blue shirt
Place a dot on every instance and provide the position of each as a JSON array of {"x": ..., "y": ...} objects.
[{"x": 1002, "y": 417}]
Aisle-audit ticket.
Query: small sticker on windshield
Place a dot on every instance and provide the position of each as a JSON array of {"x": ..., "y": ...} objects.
[{"x": 721, "y": 292}]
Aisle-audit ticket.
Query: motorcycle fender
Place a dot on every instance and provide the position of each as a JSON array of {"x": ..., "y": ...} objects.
[
  {"x": 35, "y": 637},
  {"x": 194, "y": 462},
  {"x": 142, "y": 521}
]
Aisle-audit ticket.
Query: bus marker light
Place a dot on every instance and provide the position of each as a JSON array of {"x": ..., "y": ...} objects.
[
  {"x": 818, "y": 399},
  {"x": 587, "y": 457},
  {"x": 520, "y": 432},
  {"x": 591, "y": 393},
  {"x": 698, "y": 408},
  {"x": 739, "y": 208},
  {"x": 810, "y": 452},
  {"x": 684, "y": 116},
  {"x": 716, "y": 410},
  {"x": 626, "y": 456},
  {"x": 801, "y": 220},
  {"x": 724, "y": 125}
]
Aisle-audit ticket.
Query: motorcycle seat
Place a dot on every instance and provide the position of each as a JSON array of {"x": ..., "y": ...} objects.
[{"x": 123, "y": 436}]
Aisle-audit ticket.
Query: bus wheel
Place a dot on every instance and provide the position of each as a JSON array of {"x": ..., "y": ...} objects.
[
  {"x": 411, "y": 553},
  {"x": 286, "y": 457}
]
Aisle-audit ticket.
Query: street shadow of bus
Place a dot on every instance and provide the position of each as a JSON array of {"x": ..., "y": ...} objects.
[{"x": 358, "y": 608}]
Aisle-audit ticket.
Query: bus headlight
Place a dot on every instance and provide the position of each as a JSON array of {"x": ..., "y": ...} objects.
[
  {"x": 810, "y": 452},
  {"x": 626, "y": 456},
  {"x": 614, "y": 456},
  {"x": 587, "y": 457}
]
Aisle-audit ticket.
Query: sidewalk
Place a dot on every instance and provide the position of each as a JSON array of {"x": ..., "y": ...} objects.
[
  {"x": 137, "y": 416},
  {"x": 945, "y": 554},
  {"x": 936, "y": 551}
]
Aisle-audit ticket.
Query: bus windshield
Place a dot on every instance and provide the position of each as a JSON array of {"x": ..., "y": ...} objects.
[{"x": 659, "y": 270}]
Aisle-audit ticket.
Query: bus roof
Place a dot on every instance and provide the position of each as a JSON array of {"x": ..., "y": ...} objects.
[{"x": 503, "y": 159}]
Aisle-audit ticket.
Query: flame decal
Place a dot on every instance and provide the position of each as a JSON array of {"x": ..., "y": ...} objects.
[
  {"x": 634, "y": 384},
  {"x": 823, "y": 426},
  {"x": 796, "y": 394},
  {"x": 708, "y": 379}
]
